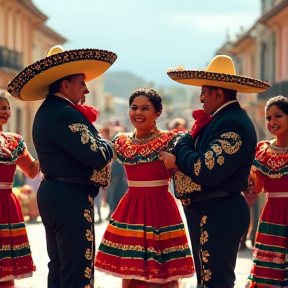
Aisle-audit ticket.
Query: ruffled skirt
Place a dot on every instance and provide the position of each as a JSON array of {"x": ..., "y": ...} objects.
[
  {"x": 146, "y": 239},
  {"x": 15, "y": 254},
  {"x": 270, "y": 255}
]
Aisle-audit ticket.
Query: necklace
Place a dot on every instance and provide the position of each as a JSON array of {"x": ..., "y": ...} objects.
[
  {"x": 150, "y": 136},
  {"x": 282, "y": 150}
]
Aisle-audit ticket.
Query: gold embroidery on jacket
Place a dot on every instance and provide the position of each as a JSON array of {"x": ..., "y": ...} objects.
[
  {"x": 220, "y": 160},
  {"x": 87, "y": 272},
  {"x": 204, "y": 237},
  {"x": 205, "y": 256},
  {"x": 209, "y": 160},
  {"x": 87, "y": 215},
  {"x": 203, "y": 220},
  {"x": 89, "y": 235},
  {"x": 232, "y": 142},
  {"x": 101, "y": 177},
  {"x": 184, "y": 184},
  {"x": 85, "y": 134},
  {"x": 205, "y": 273},
  {"x": 217, "y": 149},
  {"x": 197, "y": 167},
  {"x": 88, "y": 254}
]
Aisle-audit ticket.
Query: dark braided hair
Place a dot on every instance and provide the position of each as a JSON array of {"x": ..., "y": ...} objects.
[
  {"x": 280, "y": 101},
  {"x": 150, "y": 93}
]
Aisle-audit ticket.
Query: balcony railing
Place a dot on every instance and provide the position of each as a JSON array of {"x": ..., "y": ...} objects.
[
  {"x": 10, "y": 59},
  {"x": 280, "y": 88}
]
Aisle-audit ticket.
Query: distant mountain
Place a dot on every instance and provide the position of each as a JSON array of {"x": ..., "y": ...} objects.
[{"x": 122, "y": 84}]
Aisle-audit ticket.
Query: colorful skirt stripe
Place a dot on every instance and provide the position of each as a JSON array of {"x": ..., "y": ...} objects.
[
  {"x": 15, "y": 254},
  {"x": 146, "y": 240},
  {"x": 270, "y": 256}
]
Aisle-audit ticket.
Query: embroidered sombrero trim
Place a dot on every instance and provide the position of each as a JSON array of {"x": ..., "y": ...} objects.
[
  {"x": 241, "y": 80},
  {"x": 14, "y": 88}
]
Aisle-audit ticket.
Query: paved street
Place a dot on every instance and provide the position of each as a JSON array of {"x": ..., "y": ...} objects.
[{"x": 36, "y": 235}]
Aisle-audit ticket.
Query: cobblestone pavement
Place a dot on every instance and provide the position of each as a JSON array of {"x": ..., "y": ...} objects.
[{"x": 36, "y": 235}]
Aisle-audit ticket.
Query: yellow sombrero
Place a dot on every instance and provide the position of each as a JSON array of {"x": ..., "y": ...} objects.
[
  {"x": 219, "y": 73},
  {"x": 32, "y": 83}
]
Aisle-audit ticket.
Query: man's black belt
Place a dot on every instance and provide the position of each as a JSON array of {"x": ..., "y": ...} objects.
[
  {"x": 73, "y": 180},
  {"x": 203, "y": 197}
]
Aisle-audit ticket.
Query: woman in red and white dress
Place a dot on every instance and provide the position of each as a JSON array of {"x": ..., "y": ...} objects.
[
  {"x": 145, "y": 243},
  {"x": 15, "y": 255},
  {"x": 270, "y": 173}
]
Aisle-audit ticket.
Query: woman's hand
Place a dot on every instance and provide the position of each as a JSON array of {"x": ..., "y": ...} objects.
[{"x": 168, "y": 160}]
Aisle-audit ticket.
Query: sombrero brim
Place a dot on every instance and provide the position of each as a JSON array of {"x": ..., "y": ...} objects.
[
  {"x": 234, "y": 82},
  {"x": 33, "y": 82}
]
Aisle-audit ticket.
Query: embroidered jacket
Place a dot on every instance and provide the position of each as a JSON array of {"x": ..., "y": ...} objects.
[
  {"x": 68, "y": 145},
  {"x": 220, "y": 158}
]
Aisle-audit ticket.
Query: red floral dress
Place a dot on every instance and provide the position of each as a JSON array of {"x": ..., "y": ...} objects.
[
  {"x": 270, "y": 257},
  {"x": 145, "y": 239},
  {"x": 15, "y": 255}
]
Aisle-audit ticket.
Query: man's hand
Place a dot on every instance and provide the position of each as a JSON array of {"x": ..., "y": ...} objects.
[{"x": 168, "y": 160}]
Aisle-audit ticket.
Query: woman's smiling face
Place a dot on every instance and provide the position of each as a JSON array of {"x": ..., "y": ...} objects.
[
  {"x": 277, "y": 121},
  {"x": 142, "y": 113},
  {"x": 5, "y": 112}
]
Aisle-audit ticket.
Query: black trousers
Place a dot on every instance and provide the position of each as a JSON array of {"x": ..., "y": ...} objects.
[
  {"x": 216, "y": 227},
  {"x": 68, "y": 217}
]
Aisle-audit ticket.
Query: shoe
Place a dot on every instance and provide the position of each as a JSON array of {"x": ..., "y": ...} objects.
[{"x": 98, "y": 221}]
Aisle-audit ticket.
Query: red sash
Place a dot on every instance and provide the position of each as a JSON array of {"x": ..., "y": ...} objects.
[
  {"x": 201, "y": 120},
  {"x": 88, "y": 111}
]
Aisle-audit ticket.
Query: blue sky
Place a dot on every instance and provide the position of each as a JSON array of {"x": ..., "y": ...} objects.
[{"x": 150, "y": 36}]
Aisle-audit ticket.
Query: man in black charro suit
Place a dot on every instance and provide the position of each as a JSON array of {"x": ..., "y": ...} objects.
[
  {"x": 73, "y": 157},
  {"x": 217, "y": 156}
]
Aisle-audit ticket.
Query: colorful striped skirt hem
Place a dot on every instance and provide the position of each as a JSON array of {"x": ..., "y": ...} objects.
[
  {"x": 270, "y": 257},
  {"x": 145, "y": 253}
]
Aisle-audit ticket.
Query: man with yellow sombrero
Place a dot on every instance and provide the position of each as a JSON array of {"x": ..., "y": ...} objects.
[
  {"x": 72, "y": 154},
  {"x": 216, "y": 155}
]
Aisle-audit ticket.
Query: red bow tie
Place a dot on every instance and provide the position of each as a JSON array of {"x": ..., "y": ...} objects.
[
  {"x": 201, "y": 120},
  {"x": 88, "y": 111}
]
